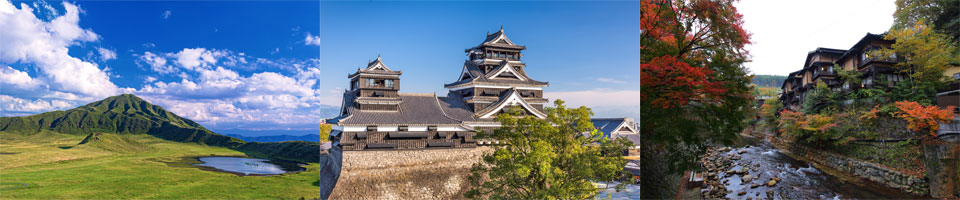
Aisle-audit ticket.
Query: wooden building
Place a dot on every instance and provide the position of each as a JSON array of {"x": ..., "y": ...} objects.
[
  {"x": 375, "y": 115},
  {"x": 820, "y": 67}
]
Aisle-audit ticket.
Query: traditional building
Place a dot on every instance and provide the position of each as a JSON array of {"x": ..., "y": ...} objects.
[
  {"x": 374, "y": 114},
  {"x": 819, "y": 67}
]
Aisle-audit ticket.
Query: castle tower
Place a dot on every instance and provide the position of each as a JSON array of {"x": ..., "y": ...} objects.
[
  {"x": 375, "y": 87},
  {"x": 493, "y": 79}
]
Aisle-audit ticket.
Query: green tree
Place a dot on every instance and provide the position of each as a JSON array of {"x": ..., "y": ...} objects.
[
  {"x": 821, "y": 99},
  {"x": 943, "y": 15},
  {"x": 925, "y": 55},
  {"x": 553, "y": 158}
]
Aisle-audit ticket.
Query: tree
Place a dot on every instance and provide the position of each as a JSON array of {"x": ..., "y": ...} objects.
[
  {"x": 694, "y": 88},
  {"x": 923, "y": 117},
  {"x": 943, "y": 15},
  {"x": 325, "y": 132},
  {"x": 925, "y": 55},
  {"x": 552, "y": 158},
  {"x": 821, "y": 99}
]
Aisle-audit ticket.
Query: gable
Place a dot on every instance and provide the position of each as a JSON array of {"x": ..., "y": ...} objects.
[
  {"x": 504, "y": 69},
  {"x": 513, "y": 99},
  {"x": 465, "y": 74}
]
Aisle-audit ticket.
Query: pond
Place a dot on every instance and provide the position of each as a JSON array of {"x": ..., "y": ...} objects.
[{"x": 248, "y": 166}]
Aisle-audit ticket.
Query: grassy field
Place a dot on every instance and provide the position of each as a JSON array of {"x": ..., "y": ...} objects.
[{"x": 131, "y": 167}]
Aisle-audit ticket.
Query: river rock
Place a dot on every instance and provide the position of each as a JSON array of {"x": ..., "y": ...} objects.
[
  {"x": 741, "y": 193},
  {"x": 747, "y": 178},
  {"x": 770, "y": 194},
  {"x": 743, "y": 170},
  {"x": 754, "y": 185},
  {"x": 775, "y": 178},
  {"x": 771, "y": 183},
  {"x": 749, "y": 198},
  {"x": 741, "y": 151}
]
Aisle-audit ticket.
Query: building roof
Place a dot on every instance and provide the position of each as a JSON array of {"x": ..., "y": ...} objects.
[
  {"x": 858, "y": 47},
  {"x": 454, "y": 107},
  {"x": 511, "y": 97},
  {"x": 477, "y": 76},
  {"x": 498, "y": 39},
  {"x": 376, "y": 67},
  {"x": 610, "y": 125},
  {"x": 822, "y": 51},
  {"x": 415, "y": 109}
]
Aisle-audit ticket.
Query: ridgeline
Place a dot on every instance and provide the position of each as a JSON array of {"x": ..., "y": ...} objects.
[{"x": 128, "y": 114}]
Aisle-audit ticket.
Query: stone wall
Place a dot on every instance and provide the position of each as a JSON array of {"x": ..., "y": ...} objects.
[
  {"x": 406, "y": 174},
  {"x": 867, "y": 170}
]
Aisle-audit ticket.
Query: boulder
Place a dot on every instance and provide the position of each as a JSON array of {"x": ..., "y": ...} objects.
[
  {"x": 741, "y": 193},
  {"x": 747, "y": 178},
  {"x": 771, "y": 183}
]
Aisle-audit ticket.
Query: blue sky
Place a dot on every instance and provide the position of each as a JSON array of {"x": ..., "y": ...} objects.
[
  {"x": 588, "y": 51},
  {"x": 264, "y": 65}
]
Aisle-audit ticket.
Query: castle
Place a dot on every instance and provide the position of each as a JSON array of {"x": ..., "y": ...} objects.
[{"x": 375, "y": 115}]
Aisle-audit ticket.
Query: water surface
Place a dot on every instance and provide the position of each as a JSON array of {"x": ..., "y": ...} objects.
[{"x": 249, "y": 166}]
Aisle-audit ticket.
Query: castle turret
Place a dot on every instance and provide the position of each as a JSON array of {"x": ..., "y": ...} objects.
[
  {"x": 493, "y": 78},
  {"x": 375, "y": 87}
]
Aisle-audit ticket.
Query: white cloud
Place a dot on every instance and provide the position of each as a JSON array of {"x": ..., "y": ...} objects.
[
  {"x": 610, "y": 80},
  {"x": 312, "y": 40},
  {"x": 222, "y": 95},
  {"x": 196, "y": 57},
  {"x": 166, "y": 14},
  {"x": 149, "y": 79},
  {"x": 12, "y": 79},
  {"x": 603, "y": 102},
  {"x": 29, "y": 40},
  {"x": 597, "y": 97},
  {"x": 156, "y": 62},
  {"x": 12, "y": 105},
  {"x": 106, "y": 54}
]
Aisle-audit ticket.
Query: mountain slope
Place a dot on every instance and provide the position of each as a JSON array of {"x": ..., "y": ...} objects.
[
  {"x": 128, "y": 114},
  {"x": 123, "y": 114}
]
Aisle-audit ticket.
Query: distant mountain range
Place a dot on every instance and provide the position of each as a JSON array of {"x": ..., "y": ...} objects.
[
  {"x": 129, "y": 114},
  {"x": 279, "y": 138},
  {"x": 768, "y": 80}
]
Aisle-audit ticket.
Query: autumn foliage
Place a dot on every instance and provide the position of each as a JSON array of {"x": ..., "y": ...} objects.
[
  {"x": 812, "y": 127},
  {"x": 923, "y": 117},
  {"x": 673, "y": 83}
]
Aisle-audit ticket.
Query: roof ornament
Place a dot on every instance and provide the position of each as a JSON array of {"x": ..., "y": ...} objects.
[{"x": 501, "y": 28}]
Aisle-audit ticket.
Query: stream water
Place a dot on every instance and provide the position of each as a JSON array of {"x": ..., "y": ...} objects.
[{"x": 799, "y": 180}]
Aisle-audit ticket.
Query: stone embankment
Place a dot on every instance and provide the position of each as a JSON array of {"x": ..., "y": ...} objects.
[
  {"x": 406, "y": 174},
  {"x": 874, "y": 172}
]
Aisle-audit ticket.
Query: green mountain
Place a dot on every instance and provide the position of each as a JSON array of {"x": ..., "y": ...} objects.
[
  {"x": 128, "y": 114},
  {"x": 123, "y": 114},
  {"x": 768, "y": 80}
]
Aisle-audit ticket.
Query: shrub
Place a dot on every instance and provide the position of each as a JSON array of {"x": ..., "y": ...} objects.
[{"x": 923, "y": 117}]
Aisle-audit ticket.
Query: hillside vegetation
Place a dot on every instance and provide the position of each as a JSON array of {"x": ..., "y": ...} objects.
[
  {"x": 128, "y": 114},
  {"x": 132, "y": 166},
  {"x": 768, "y": 80}
]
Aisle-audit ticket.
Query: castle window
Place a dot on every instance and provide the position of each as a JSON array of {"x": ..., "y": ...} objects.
[
  {"x": 389, "y": 83},
  {"x": 370, "y": 82}
]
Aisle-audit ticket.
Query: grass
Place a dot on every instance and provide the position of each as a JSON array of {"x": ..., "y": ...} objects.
[{"x": 131, "y": 166}]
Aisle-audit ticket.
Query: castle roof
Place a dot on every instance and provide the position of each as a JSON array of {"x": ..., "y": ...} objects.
[
  {"x": 471, "y": 68},
  {"x": 415, "y": 109}
]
